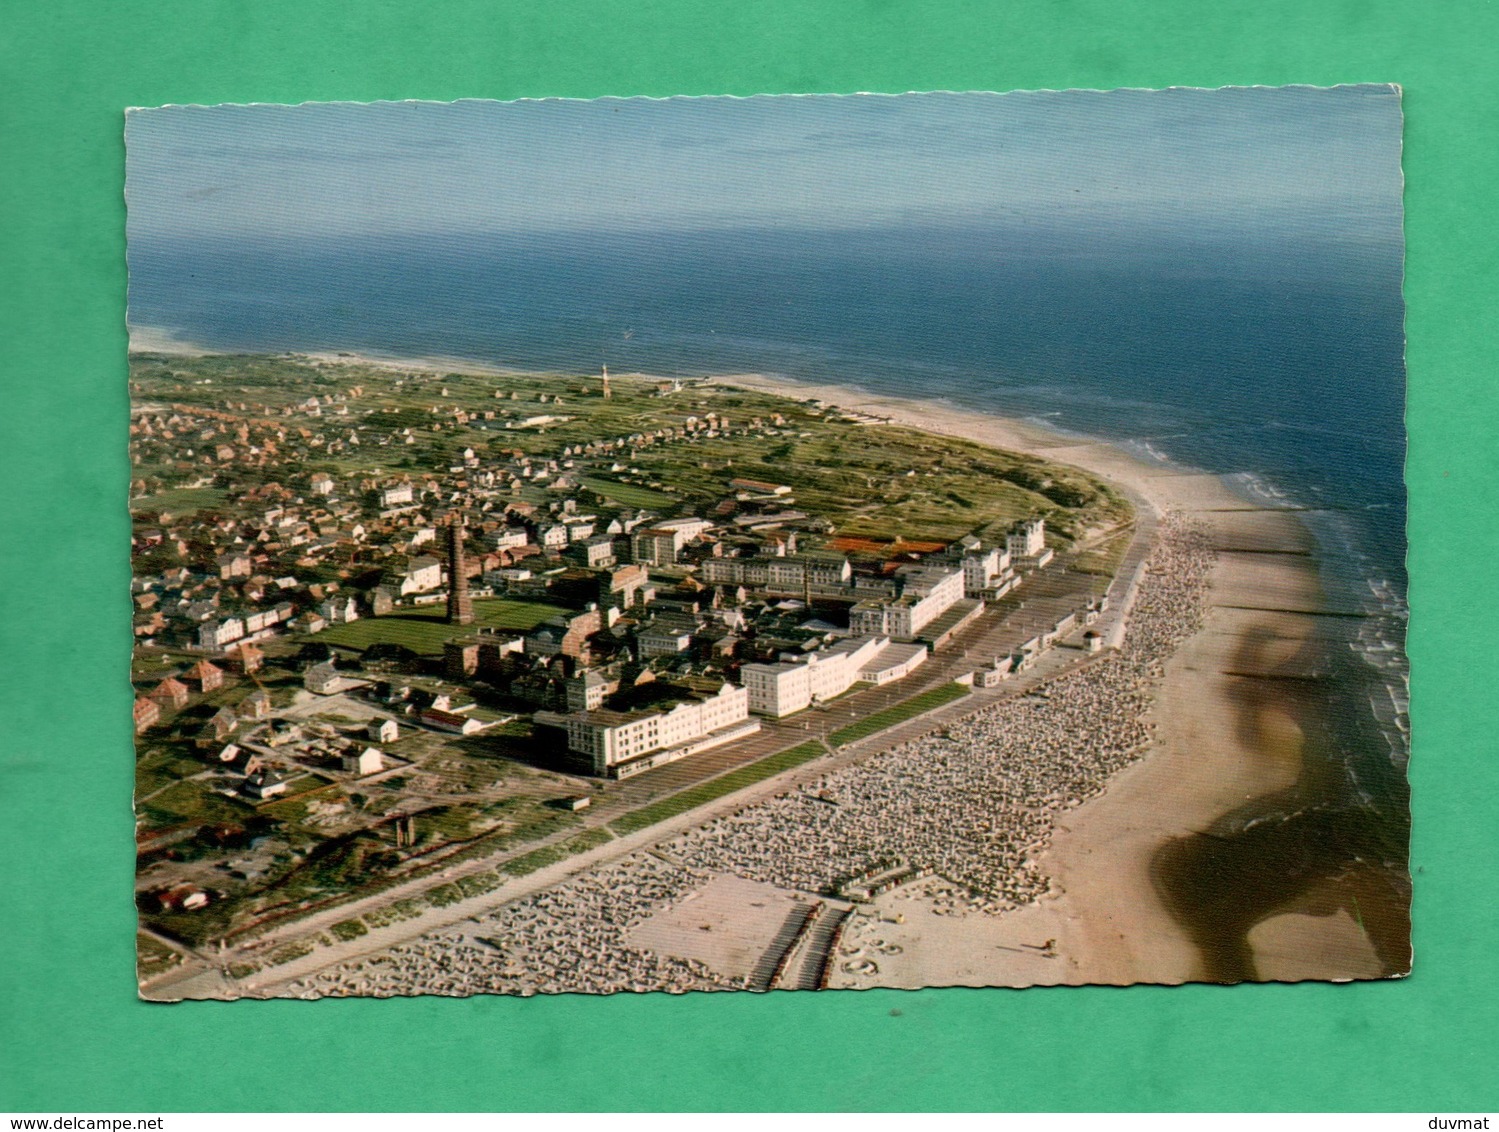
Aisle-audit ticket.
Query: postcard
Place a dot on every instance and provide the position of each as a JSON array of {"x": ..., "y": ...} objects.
[{"x": 776, "y": 543}]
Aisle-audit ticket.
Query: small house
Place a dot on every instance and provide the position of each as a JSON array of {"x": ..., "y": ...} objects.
[
  {"x": 264, "y": 782},
  {"x": 367, "y": 761},
  {"x": 171, "y": 692},
  {"x": 322, "y": 679},
  {"x": 382, "y": 730},
  {"x": 147, "y": 712},
  {"x": 257, "y": 705},
  {"x": 206, "y": 676}
]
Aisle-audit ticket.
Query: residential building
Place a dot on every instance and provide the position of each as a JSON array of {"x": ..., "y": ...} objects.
[
  {"x": 217, "y": 634},
  {"x": 564, "y": 635},
  {"x": 507, "y": 538},
  {"x": 171, "y": 692},
  {"x": 396, "y": 495},
  {"x": 257, "y": 705},
  {"x": 553, "y": 536},
  {"x": 322, "y": 679},
  {"x": 217, "y": 729},
  {"x": 752, "y": 572},
  {"x": 652, "y": 546},
  {"x": 783, "y": 573},
  {"x": 206, "y": 676},
  {"x": 596, "y": 553},
  {"x": 367, "y": 761},
  {"x": 685, "y": 529},
  {"x": 245, "y": 658},
  {"x": 147, "y": 712},
  {"x": 442, "y": 720},
  {"x": 582, "y": 530},
  {"x": 460, "y": 658},
  {"x": 339, "y": 610},
  {"x": 412, "y": 575},
  {"x": 622, "y": 587},
  {"x": 983, "y": 568},
  {"x": 263, "y": 782},
  {"x": 664, "y": 639},
  {"x": 588, "y": 690},
  {"x": 382, "y": 730}
]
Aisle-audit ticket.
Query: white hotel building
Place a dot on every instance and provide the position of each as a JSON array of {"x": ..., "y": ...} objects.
[
  {"x": 1026, "y": 544},
  {"x": 984, "y": 568},
  {"x": 781, "y": 689},
  {"x": 926, "y": 592},
  {"x": 620, "y": 743}
]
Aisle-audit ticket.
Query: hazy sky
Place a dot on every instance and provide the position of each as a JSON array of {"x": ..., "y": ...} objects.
[{"x": 1242, "y": 155}]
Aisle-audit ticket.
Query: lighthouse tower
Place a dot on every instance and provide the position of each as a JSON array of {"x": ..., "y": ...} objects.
[
  {"x": 606, "y": 383},
  {"x": 460, "y": 605}
]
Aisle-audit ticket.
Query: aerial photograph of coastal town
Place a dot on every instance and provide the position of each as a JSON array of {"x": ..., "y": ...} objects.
[{"x": 776, "y": 543}]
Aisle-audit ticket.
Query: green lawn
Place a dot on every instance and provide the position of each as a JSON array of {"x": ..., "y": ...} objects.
[
  {"x": 716, "y": 788},
  {"x": 897, "y": 713},
  {"x": 631, "y": 495},
  {"x": 425, "y": 630}
]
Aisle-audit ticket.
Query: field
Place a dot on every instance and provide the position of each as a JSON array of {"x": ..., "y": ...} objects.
[
  {"x": 897, "y": 713},
  {"x": 181, "y": 501},
  {"x": 158, "y": 768},
  {"x": 628, "y": 494},
  {"x": 152, "y": 957},
  {"x": 189, "y": 803},
  {"x": 425, "y": 630}
]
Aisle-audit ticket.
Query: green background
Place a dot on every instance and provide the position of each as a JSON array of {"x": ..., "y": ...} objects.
[{"x": 73, "y": 1036}]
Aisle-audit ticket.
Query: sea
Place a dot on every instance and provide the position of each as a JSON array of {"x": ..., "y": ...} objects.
[{"x": 1270, "y": 355}]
